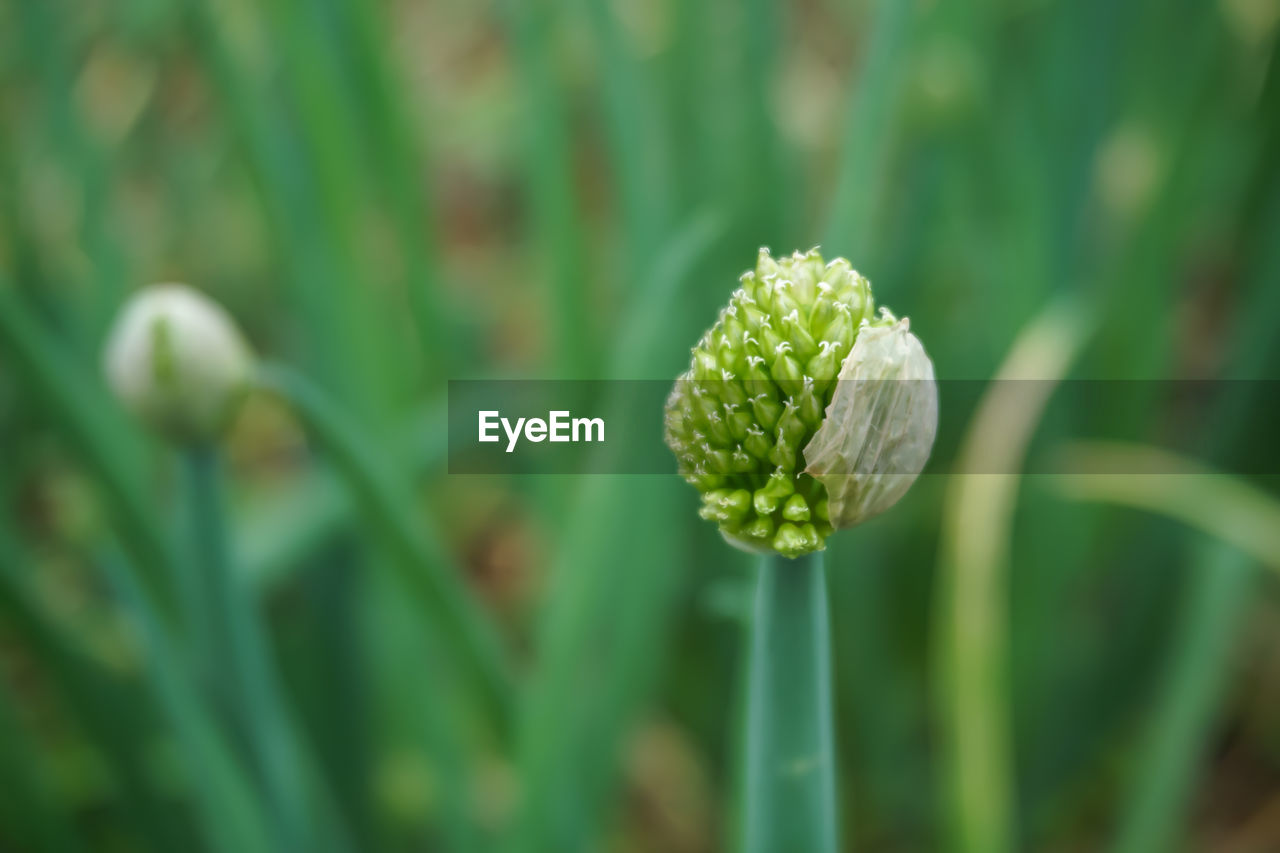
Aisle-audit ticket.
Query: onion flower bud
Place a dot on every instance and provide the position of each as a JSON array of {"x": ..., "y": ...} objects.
[
  {"x": 802, "y": 411},
  {"x": 176, "y": 360}
]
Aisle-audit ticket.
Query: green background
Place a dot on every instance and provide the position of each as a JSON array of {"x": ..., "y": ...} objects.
[{"x": 387, "y": 195}]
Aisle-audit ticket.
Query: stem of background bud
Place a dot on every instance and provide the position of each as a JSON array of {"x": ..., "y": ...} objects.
[
  {"x": 789, "y": 800},
  {"x": 235, "y": 667}
]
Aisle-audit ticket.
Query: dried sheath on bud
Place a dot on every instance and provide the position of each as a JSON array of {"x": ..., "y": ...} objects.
[{"x": 879, "y": 428}]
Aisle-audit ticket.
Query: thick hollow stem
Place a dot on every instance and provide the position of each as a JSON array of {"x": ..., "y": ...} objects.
[{"x": 789, "y": 800}]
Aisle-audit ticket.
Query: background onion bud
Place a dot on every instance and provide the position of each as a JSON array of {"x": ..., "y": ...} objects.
[
  {"x": 790, "y": 420},
  {"x": 177, "y": 361}
]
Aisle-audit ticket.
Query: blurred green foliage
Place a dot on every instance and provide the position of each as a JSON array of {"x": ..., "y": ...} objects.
[{"x": 390, "y": 194}]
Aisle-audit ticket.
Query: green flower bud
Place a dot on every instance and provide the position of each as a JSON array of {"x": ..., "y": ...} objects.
[
  {"x": 767, "y": 499},
  {"x": 774, "y": 423},
  {"x": 177, "y": 361},
  {"x": 796, "y": 509}
]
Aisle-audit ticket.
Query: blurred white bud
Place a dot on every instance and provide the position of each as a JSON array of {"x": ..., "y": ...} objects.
[
  {"x": 177, "y": 361},
  {"x": 879, "y": 427}
]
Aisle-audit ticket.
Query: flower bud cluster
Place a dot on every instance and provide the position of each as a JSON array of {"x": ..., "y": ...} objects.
[{"x": 756, "y": 393}]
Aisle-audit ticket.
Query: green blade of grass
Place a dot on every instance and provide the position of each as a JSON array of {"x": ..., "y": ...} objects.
[
  {"x": 85, "y": 419},
  {"x": 310, "y": 215},
  {"x": 869, "y": 133},
  {"x": 633, "y": 127},
  {"x": 457, "y": 631},
  {"x": 719, "y": 79},
  {"x": 426, "y": 718},
  {"x": 790, "y": 758},
  {"x": 1216, "y": 599},
  {"x": 636, "y": 352},
  {"x": 1231, "y": 511},
  {"x": 31, "y": 816},
  {"x": 769, "y": 213},
  {"x": 228, "y": 809},
  {"x": 609, "y": 597},
  {"x": 1173, "y": 745},
  {"x": 311, "y": 170},
  {"x": 283, "y": 530},
  {"x": 549, "y": 174},
  {"x": 277, "y": 534},
  {"x": 347, "y": 309},
  {"x": 46, "y": 40},
  {"x": 425, "y": 567},
  {"x": 1156, "y": 480},
  {"x": 971, "y": 642},
  {"x": 399, "y": 164},
  {"x": 89, "y": 422},
  {"x": 114, "y": 715}
]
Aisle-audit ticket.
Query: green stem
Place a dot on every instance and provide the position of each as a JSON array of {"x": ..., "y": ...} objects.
[
  {"x": 235, "y": 666},
  {"x": 196, "y": 583},
  {"x": 789, "y": 790}
]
